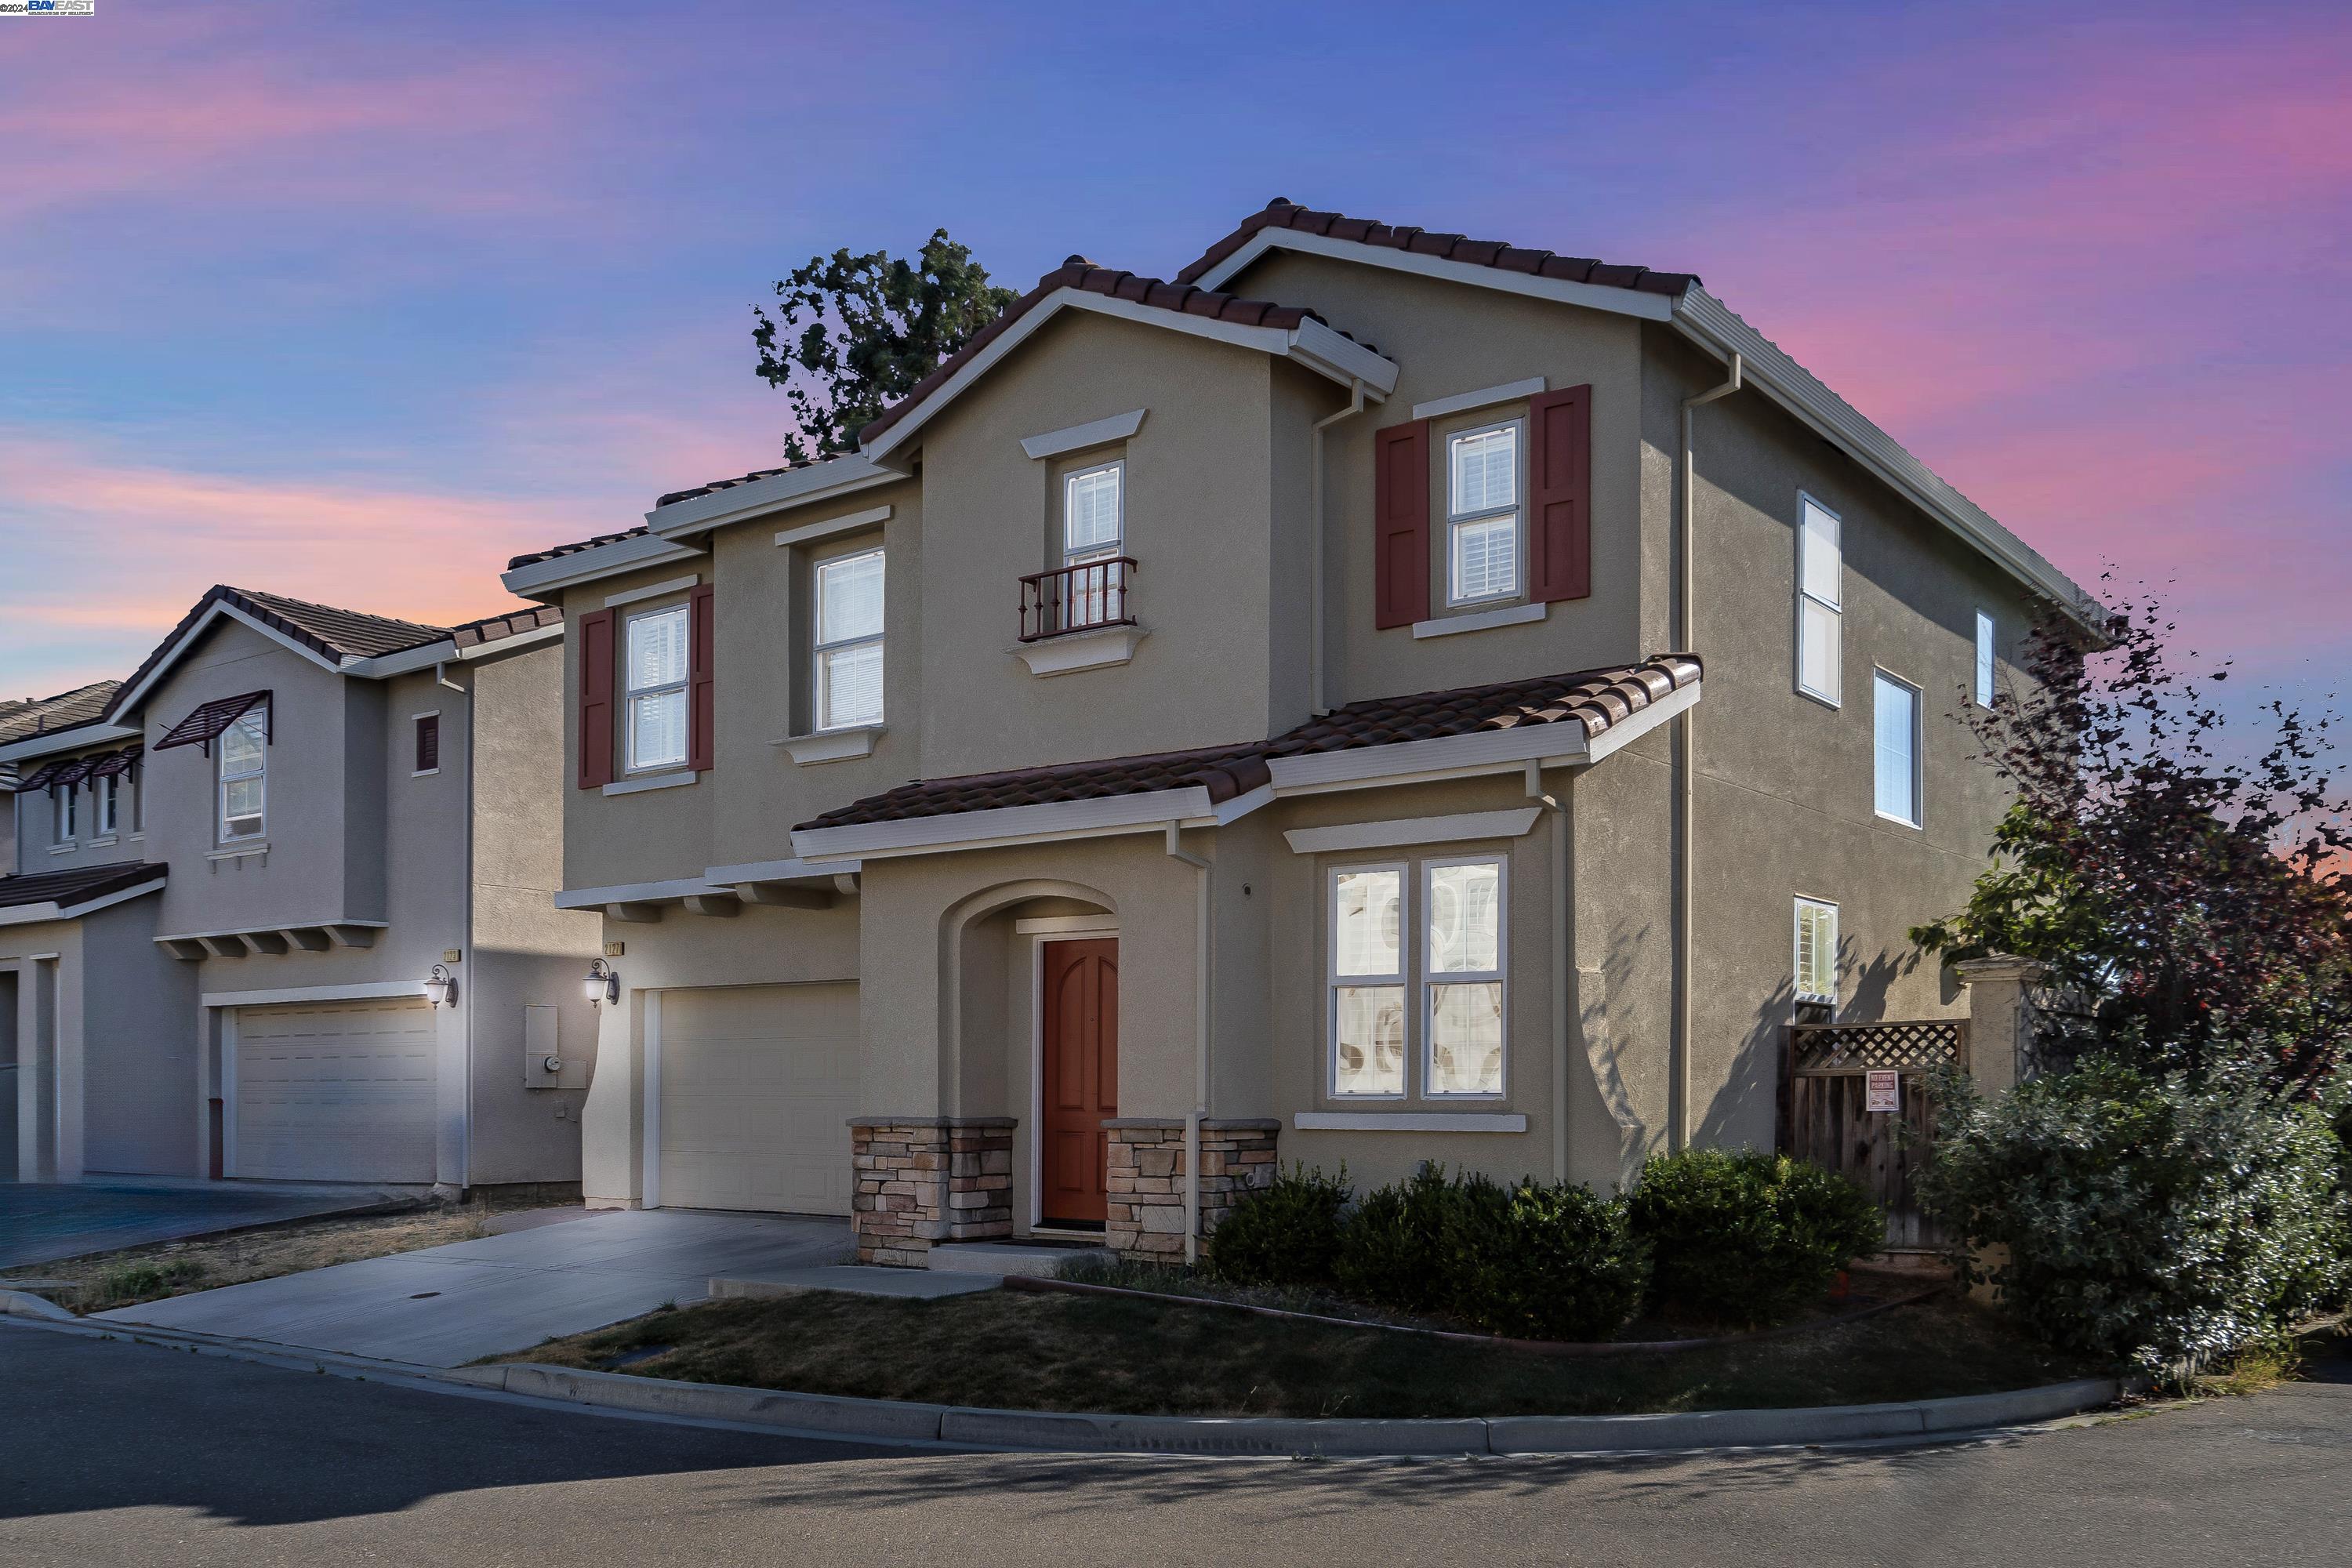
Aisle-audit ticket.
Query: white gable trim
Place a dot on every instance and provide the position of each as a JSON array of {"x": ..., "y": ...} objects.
[
  {"x": 1310, "y": 343},
  {"x": 54, "y": 910}
]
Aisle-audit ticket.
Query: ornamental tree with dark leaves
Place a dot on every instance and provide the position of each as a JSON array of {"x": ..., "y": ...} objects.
[
  {"x": 2198, "y": 888},
  {"x": 853, "y": 334}
]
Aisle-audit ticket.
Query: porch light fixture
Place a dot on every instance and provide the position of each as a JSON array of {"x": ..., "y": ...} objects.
[
  {"x": 440, "y": 987},
  {"x": 602, "y": 984}
]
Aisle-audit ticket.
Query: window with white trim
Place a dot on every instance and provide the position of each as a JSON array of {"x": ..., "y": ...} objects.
[
  {"x": 655, "y": 668},
  {"x": 1482, "y": 513},
  {"x": 849, "y": 641},
  {"x": 1094, "y": 513},
  {"x": 243, "y": 752},
  {"x": 1984, "y": 659},
  {"x": 1463, "y": 976},
  {"x": 106, "y": 803},
  {"x": 1821, "y": 571},
  {"x": 1367, "y": 985},
  {"x": 1817, "y": 947},
  {"x": 1894, "y": 748},
  {"x": 64, "y": 806}
]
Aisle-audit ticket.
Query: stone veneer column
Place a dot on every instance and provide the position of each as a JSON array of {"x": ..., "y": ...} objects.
[
  {"x": 928, "y": 1179},
  {"x": 1146, "y": 1179}
]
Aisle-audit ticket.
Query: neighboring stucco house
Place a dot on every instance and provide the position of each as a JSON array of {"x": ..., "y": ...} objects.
[
  {"x": 236, "y": 873},
  {"x": 1187, "y": 736}
]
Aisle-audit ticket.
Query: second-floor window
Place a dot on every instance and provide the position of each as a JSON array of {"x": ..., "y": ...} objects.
[
  {"x": 1895, "y": 749},
  {"x": 64, "y": 805},
  {"x": 849, "y": 641},
  {"x": 656, "y": 668},
  {"x": 1984, "y": 660},
  {"x": 1821, "y": 571},
  {"x": 1482, "y": 514},
  {"x": 244, "y": 750},
  {"x": 106, "y": 803}
]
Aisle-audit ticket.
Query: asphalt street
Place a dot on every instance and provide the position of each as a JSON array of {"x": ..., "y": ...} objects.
[{"x": 125, "y": 1454}]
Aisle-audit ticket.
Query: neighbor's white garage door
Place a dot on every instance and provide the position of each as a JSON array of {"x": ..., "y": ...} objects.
[
  {"x": 756, "y": 1089},
  {"x": 336, "y": 1091}
]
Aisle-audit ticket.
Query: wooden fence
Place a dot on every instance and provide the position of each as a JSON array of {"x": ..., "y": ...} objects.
[{"x": 1826, "y": 1116}]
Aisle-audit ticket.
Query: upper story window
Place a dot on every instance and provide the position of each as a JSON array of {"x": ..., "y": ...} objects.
[
  {"x": 1460, "y": 976},
  {"x": 656, "y": 668},
  {"x": 65, "y": 809},
  {"x": 1482, "y": 513},
  {"x": 1984, "y": 660},
  {"x": 1816, "y": 956},
  {"x": 244, "y": 753},
  {"x": 849, "y": 640},
  {"x": 1895, "y": 749},
  {"x": 1094, "y": 513},
  {"x": 106, "y": 804},
  {"x": 1820, "y": 571}
]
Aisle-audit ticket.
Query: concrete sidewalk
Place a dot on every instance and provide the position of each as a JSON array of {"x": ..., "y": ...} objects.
[
  {"x": 447, "y": 1306},
  {"x": 43, "y": 1221}
]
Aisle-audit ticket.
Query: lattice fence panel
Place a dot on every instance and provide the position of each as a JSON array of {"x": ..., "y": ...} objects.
[{"x": 1820, "y": 1049}]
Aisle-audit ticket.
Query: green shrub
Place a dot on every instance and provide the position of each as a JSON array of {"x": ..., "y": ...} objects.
[
  {"x": 1748, "y": 1237},
  {"x": 2146, "y": 1217},
  {"x": 1557, "y": 1262},
  {"x": 1392, "y": 1249},
  {"x": 1284, "y": 1234}
]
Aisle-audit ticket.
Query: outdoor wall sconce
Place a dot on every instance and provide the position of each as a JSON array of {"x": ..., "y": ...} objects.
[
  {"x": 602, "y": 985},
  {"x": 440, "y": 987}
]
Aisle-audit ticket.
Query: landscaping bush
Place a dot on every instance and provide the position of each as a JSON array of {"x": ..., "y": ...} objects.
[
  {"x": 1392, "y": 1249},
  {"x": 1557, "y": 1262},
  {"x": 1286, "y": 1234},
  {"x": 2157, "y": 1218},
  {"x": 1748, "y": 1237}
]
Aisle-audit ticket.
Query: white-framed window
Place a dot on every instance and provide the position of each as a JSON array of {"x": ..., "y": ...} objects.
[
  {"x": 1894, "y": 748},
  {"x": 1366, "y": 1008},
  {"x": 1462, "y": 976},
  {"x": 849, "y": 640},
  {"x": 1094, "y": 513},
  {"x": 1984, "y": 659},
  {"x": 656, "y": 669},
  {"x": 106, "y": 804},
  {"x": 1817, "y": 949},
  {"x": 1820, "y": 571},
  {"x": 243, "y": 750},
  {"x": 64, "y": 802},
  {"x": 1482, "y": 513}
]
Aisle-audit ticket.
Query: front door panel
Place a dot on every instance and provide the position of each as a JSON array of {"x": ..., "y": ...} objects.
[{"x": 1080, "y": 1086}]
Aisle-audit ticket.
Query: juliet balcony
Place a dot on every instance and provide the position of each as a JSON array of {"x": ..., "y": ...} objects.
[{"x": 1080, "y": 616}]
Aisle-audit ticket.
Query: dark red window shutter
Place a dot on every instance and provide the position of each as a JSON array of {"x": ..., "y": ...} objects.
[
  {"x": 1401, "y": 524},
  {"x": 702, "y": 688},
  {"x": 428, "y": 742},
  {"x": 1560, "y": 494},
  {"x": 597, "y": 671}
]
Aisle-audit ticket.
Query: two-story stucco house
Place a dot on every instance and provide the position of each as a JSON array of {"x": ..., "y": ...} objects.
[
  {"x": 1380, "y": 697},
  {"x": 281, "y": 908}
]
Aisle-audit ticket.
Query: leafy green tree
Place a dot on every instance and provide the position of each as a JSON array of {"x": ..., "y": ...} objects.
[{"x": 853, "y": 334}]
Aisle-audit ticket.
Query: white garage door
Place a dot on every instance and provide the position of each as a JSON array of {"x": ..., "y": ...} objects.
[
  {"x": 336, "y": 1091},
  {"x": 756, "y": 1085}
]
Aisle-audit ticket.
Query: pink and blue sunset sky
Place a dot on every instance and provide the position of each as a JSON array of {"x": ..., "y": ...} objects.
[{"x": 352, "y": 301}]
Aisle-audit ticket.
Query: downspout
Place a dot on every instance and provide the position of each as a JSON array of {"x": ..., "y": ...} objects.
[
  {"x": 1316, "y": 694},
  {"x": 1559, "y": 938},
  {"x": 465, "y": 1145},
  {"x": 1687, "y": 787},
  {"x": 1200, "y": 1044}
]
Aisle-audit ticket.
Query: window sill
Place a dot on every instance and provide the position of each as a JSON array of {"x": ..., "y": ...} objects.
[
  {"x": 1070, "y": 652},
  {"x": 1482, "y": 620},
  {"x": 63, "y": 849},
  {"x": 850, "y": 741},
  {"x": 1899, "y": 821},
  {"x": 238, "y": 852},
  {"x": 1831, "y": 703},
  {"x": 423, "y": 772},
  {"x": 651, "y": 781},
  {"x": 101, "y": 843},
  {"x": 1409, "y": 1121}
]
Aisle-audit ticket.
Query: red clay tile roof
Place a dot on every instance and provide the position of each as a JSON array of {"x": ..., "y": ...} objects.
[
  {"x": 1284, "y": 212},
  {"x": 1595, "y": 699},
  {"x": 66, "y": 711},
  {"x": 513, "y": 623},
  {"x": 534, "y": 557},
  {"x": 715, "y": 486},
  {"x": 76, "y": 886},
  {"x": 1078, "y": 272}
]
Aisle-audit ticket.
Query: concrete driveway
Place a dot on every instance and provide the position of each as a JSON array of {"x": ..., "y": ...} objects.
[
  {"x": 445, "y": 1306},
  {"x": 40, "y": 1222}
]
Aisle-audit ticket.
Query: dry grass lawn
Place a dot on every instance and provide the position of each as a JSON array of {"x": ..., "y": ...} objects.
[
  {"x": 108, "y": 1279},
  {"x": 1070, "y": 1352}
]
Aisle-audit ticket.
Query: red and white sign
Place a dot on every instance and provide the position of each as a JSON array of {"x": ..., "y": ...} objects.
[{"x": 1884, "y": 1092}]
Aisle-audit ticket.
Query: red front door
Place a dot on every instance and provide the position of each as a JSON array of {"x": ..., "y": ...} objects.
[{"x": 1081, "y": 1079}]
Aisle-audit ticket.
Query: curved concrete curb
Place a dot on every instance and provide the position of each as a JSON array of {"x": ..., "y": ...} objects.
[
  {"x": 25, "y": 1304},
  {"x": 937, "y": 1425}
]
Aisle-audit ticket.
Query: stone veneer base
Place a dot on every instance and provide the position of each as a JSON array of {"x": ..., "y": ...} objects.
[
  {"x": 1147, "y": 1176},
  {"x": 926, "y": 1179}
]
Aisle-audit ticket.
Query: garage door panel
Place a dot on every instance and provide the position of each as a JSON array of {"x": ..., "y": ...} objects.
[
  {"x": 337, "y": 1091},
  {"x": 757, "y": 1085}
]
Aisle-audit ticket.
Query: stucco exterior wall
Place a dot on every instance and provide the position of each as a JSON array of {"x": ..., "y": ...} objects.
[
  {"x": 141, "y": 1112},
  {"x": 32, "y": 821}
]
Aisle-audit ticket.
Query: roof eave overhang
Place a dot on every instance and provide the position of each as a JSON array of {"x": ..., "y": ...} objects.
[
  {"x": 839, "y": 475},
  {"x": 1592, "y": 296},
  {"x": 378, "y": 666},
  {"x": 50, "y": 743},
  {"x": 1310, "y": 344},
  {"x": 546, "y": 580},
  {"x": 60, "y": 909}
]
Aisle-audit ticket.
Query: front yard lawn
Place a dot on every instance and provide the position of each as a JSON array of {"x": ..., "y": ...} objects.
[{"x": 1009, "y": 1350}]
